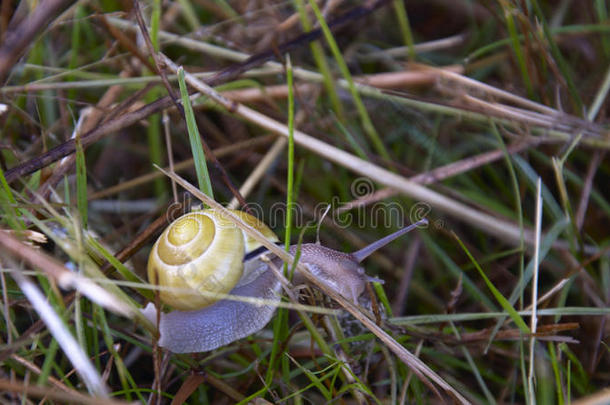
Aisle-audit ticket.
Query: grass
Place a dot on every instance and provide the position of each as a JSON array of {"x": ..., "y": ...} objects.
[{"x": 498, "y": 134}]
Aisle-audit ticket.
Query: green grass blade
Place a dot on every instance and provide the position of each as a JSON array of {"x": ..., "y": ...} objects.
[
  {"x": 457, "y": 272},
  {"x": 201, "y": 168},
  {"x": 352, "y": 141},
  {"x": 315, "y": 381},
  {"x": 365, "y": 119},
  {"x": 405, "y": 27},
  {"x": 477, "y": 316},
  {"x": 557, "y": 373},
  {"x": 189, "y": 14},
  {"x": 474, "y": 368},
  {"x": 601, "y": 9},
  {"x": 290, "y": 175},
  {"x": 50, "y": 354},
  {"x": 81, "y": 182},
  {"x": 509, "y": 11},
  {"x": 9, "y": 204},
  {"x": 123, "y": 270},
  {"x": 127, "y": 381},
  {"x": 155, "y": 143},
  {"x": 561, "y": 62},
  {"x": 155, "y": 22},
  {"x": 512, "y": 312},
  {"x": 550, "y": 203},
  {"x": 318, "y": 56}
]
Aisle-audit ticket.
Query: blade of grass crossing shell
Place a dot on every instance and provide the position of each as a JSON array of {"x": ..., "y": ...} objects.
[
  {"x": 512, "y": 312},
  {"x": 201, "y": 168}
]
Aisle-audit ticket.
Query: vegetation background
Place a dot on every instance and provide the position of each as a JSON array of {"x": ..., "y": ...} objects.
[{"x": 489, "y": 117}]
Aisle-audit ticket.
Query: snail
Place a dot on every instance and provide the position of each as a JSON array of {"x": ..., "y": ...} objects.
[{"x": 202, "y": 256}]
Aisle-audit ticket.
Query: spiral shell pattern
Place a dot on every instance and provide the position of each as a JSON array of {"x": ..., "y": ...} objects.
[{"x": 199, "y": 255}]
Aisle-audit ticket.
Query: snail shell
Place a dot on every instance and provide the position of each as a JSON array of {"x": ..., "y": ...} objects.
[{"x": 200, "y": 255}]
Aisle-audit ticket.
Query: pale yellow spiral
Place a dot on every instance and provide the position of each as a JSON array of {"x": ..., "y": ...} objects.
[{"x": 201, "y": 254}]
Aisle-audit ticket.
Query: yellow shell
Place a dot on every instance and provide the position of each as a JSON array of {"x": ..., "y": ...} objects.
[{"x": 200, "y": 253}]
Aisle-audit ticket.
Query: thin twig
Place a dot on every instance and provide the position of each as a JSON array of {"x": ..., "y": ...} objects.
[
  {"x": 180, "y": 166},
  {"x": 17, "y": 41}
]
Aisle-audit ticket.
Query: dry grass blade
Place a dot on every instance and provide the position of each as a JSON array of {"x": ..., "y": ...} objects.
[
  {"x": 66, "y": 341},
  {"x": 438, "y": 174},
  {"x": 30, "y": 390},
  {"x": 64, "y": 277},
  {"x": 600, "y": 398},
  {"x": 16, "y": 42},
  {"x": 419, "y": 367}
]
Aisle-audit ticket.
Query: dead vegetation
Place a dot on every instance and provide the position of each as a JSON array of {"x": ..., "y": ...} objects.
[{"x": 489, "y": 118}]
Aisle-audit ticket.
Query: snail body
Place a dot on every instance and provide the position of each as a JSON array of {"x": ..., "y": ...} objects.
[{"x": 200, "y": 257}]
